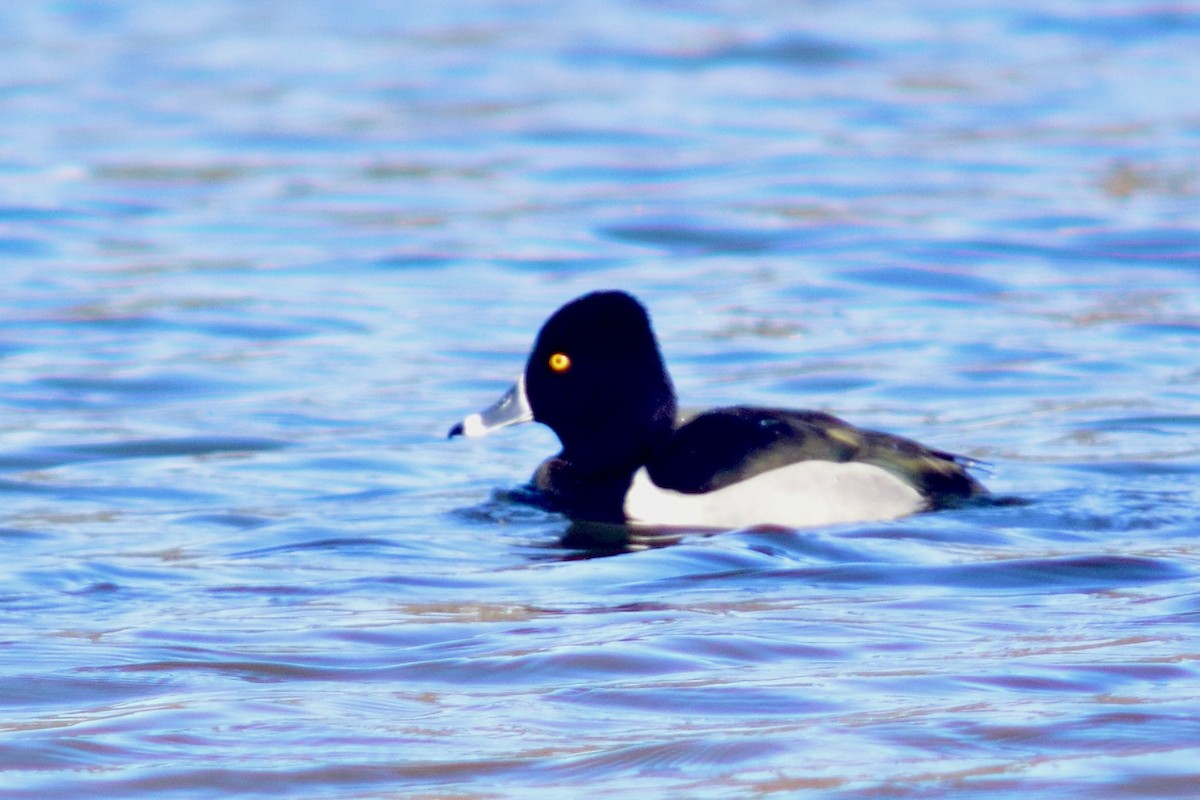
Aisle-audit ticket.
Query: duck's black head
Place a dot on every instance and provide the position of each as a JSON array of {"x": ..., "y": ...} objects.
[{"x": 597, "y": 379}]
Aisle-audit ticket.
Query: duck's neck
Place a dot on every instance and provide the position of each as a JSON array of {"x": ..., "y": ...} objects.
[
  {"x": 618, "y": 450},
  {"x": 590, "y": 483}
]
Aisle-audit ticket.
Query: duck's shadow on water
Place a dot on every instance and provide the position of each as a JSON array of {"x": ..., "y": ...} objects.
[
  {"x": 579, "y": 540},
  {"x": 570, "y": 540},
  {"x": 599, "y": 539}
]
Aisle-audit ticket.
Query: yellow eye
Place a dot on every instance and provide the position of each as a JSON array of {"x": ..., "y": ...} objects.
[{"x": 560, "y": 362}]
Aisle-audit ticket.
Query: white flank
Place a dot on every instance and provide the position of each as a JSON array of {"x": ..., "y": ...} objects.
[{"x": 800, "y": 495}]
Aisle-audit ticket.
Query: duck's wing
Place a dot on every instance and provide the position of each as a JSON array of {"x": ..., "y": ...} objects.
[{"x": 725, "y": 446}]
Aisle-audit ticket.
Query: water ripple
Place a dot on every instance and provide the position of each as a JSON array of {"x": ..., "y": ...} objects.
[
  {"x": 258, "y": 257},
  {"x": 44, "y": 458}
]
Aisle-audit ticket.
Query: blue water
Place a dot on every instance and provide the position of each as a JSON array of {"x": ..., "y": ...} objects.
[{"x": 257, "y": 257}]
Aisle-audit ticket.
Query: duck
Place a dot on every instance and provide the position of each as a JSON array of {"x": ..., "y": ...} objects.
[{"x": 596, "y": 377}]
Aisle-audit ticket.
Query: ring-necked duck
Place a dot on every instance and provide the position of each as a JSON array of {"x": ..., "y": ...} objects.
[{"x": 597, "y": 379}]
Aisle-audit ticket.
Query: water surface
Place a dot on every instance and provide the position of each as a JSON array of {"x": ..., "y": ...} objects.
[{"x": 257, "y": 257}]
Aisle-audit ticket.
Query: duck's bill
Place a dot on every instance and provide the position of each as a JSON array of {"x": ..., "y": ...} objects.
[{"x": 511, "y": 409}]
